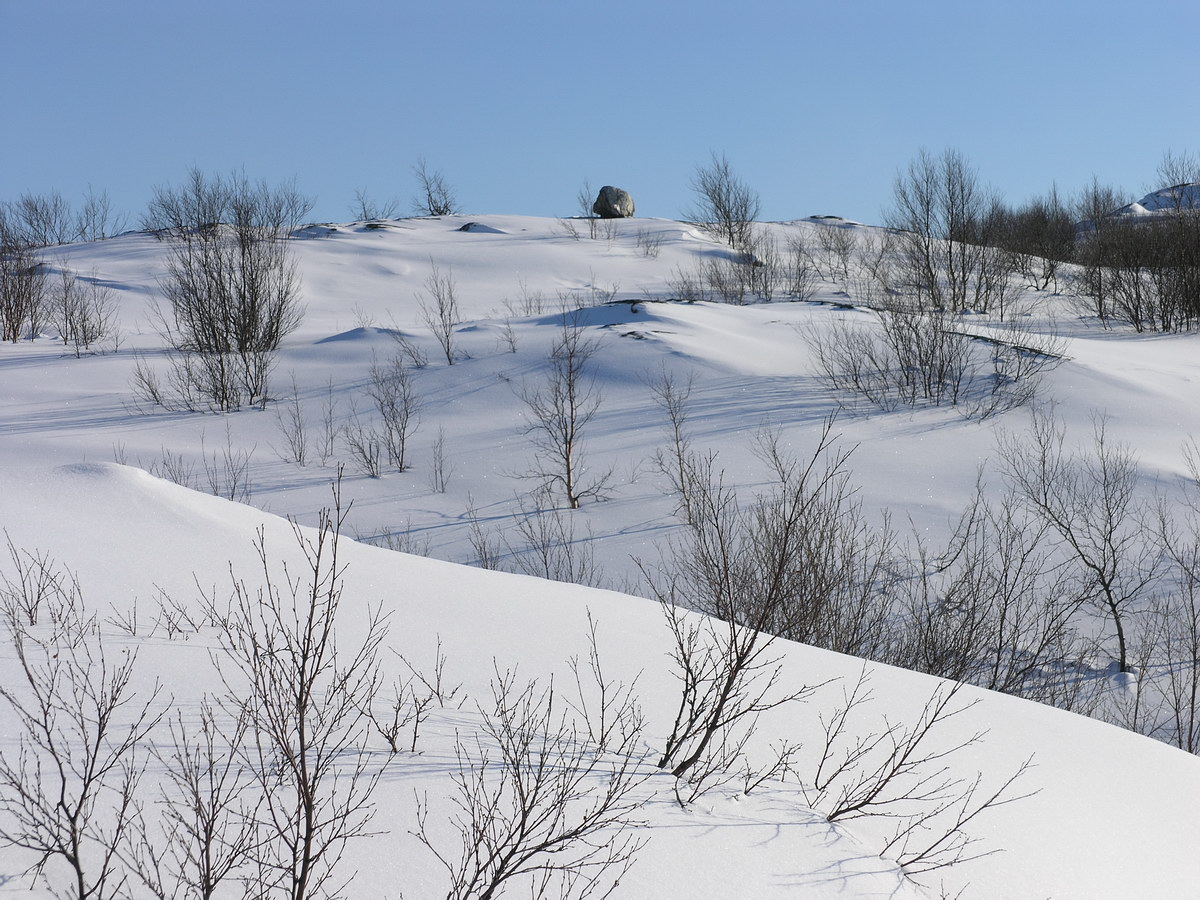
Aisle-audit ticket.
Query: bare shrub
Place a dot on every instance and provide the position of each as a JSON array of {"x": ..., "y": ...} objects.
[
  {"x": 688, "y": 287},
  {"x": 407, "y": 348},
  {"x": 584, "y": 198},
  {"x": 483, "y": 541},
  {"x": 836, "y": 243},
  {"x": 649, "y": 242},
  {"x": 34, "y": 581},
  {"x": 568, "y": 228},
  {"x": 227, "y": 472},
  {"x": 799, "y": 272},
  {"x": 730, "y": 568},
  {"x": 174, "y": 467},
  {"x": 399, "y": 539},
  {"x": 365, "y": 445},
  {"x": 608, "y": 710},
  {"x": 96, "y": 220},
  {"x": 391, "y": 388},
  {"x": 673, "y": 397},
  {"x": 725, "y": 279},
  {"x": 900, "y": 772},
  {"x": 67, "y": 789},
  {"x": 292, "y": 426},
  {"x": 1087, "y": 496},
  {"x": 997, "y": 607},
  {"x": 413, "y": 697},
  {"x": 435, "y": 196},
  {"x": 441, "y": 314},
  {"x": 558, "y": 412},
  {"x": 209, "y": 811},
  {"x": 441, "y": 468},
  {"x": 303, "y": 702},
  {"x": 231, "y": 280},
  {"x": 724, "y": 205},
  {"x": 327, "y": 437},
  {"x": 84, "y": 310},
  {"x": 508, "y": 336},
  {"x": 912, "y": 356},
  {"x": 366, "y": 208},
  {"x": 546, "y": 545},
  {"x": 872, "y": 271},
  {"x": 530, "y": 303},
  {"x": 1174, "y": 618},
  {"x": 764, "y": 267},
  {"x": 539, "y": 807}
]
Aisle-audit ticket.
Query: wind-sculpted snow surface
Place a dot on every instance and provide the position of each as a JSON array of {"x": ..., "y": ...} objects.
[{"x": 1112, "y": 816}]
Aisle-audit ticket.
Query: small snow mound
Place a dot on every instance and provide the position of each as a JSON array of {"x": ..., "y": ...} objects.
[
  {"x": 479, "y": 228},
  {"x": 92, "y": 470},
  {"x": 357, "y": 334},
  {"x": 315, "y": 231}
]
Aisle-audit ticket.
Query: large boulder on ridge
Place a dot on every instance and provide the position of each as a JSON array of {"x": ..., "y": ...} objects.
[{"x": 613, "y": 203}]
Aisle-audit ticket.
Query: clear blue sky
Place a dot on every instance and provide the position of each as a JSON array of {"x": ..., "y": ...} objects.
[{"x": 815, "y": 103}]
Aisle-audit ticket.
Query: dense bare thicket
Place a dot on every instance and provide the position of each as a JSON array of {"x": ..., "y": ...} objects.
[
  {"x": 545, "y": 802},
  {"x": 1002, "y": 605},
  {"x": 435, "y": 196},
  {"x": 231, "y": 281},
  {"x": 905, "y": 355},
  {"x": 1174, "y": 620},
  {"x": 937, "y": 262},
  {"x": 558, "y": 412},
  {"x": 1092, "y": 209},
  {"x": 1039, "y": 235},
  {"x": 1143, "y": 270},
  {"x": 39, "y": 220},
  {"x": 23, "y": 291},
  {"x": 46, "y": 220},
  {"x": 948, "y": 235},
  {"x": 1145, "y": 273},
  {"x": 304, "y": 696},
  {"x": 68, "y": 787},
  {"x": 724, "y": 204}
]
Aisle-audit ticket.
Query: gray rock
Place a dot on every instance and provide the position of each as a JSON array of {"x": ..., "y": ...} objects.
[{"x": 613, "y": 203}]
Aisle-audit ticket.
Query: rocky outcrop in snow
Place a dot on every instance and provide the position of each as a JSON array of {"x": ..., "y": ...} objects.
[{"x": 613, "y": 203}]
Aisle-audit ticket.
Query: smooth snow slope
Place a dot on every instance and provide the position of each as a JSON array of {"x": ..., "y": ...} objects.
[{"x": 1114, "y": 815}]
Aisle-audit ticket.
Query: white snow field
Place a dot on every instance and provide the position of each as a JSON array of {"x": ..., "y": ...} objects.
[{"x": 1109, "y": 813}]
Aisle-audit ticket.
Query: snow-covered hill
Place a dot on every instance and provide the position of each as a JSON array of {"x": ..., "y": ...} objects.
[
  {"x": 1163, "y": 201},
  {"x": 1112, "y": 815}
]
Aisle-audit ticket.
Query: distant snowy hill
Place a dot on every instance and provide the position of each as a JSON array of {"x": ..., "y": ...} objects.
[{"x": 1162, "y": 201}]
